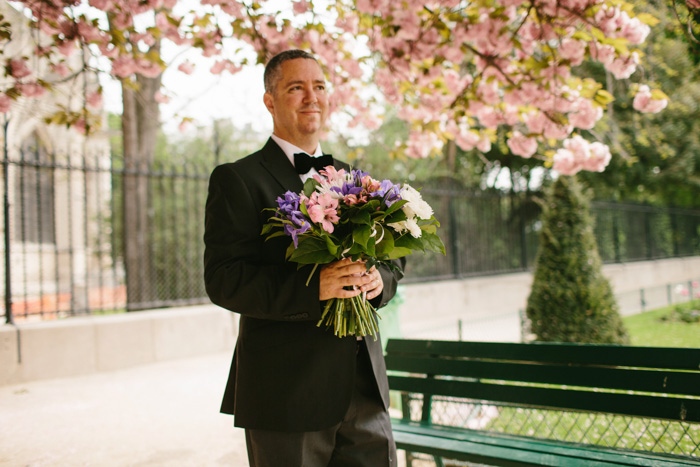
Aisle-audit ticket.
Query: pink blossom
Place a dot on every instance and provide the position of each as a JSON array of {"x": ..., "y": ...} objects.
[
  {"x": 622, "y": 68},
  {"x": 565, "y": 163},
  {"x": 161, "y": 98},
  {"x": 148, "y": 68},
  {"x": 693, "y": 4},
  {"x": 18, "y": 68},
  {"x": 61, "y": 69},
  {"x": 635, "y": 31},
  {"x": 184, "y": 124},
  {"x": 94, "y": 99},
  {"x": 104, "y": 5},
  {"x": 521, "y": 145},
  {"x": 186, "y": 67},
  {"x": 5, "y": 103},
  {"x": 604, "y": 53},
  {"x": 323, "y": 209},
  {"x": 31, "y": 89},
  {"x": 599, "y": 157},
  {"x": 66, "y": 48},
  {"x": 300, "y": 7},
  {"x": 80, "y": 126},
  {"x": 422, "y": 144},
  {"x": 572, "y": 50},
  {"x": 484, "y": 144},
  {"x": 123, "y": 66},
  {"x": 644, "y": 101},
  {"x": 586, "y": 114},
  {"x": 467, "y": 139}
]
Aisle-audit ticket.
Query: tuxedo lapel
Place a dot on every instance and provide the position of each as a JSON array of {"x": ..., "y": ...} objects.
[{"x": 275, "y": 161}]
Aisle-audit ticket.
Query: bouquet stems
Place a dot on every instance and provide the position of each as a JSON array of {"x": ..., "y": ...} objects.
[{"x": 350, "y": 317}]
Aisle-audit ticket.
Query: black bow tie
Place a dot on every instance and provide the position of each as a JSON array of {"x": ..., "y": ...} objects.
[{"x": 303, "y": 162}]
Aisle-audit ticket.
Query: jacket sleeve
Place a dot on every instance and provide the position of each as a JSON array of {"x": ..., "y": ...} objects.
[{"x": 243, "y": 272}]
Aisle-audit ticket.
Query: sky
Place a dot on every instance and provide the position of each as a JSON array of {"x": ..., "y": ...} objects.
[{"x": 205, "y": 97}]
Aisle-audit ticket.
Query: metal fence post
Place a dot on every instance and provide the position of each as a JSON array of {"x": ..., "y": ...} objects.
[{"x": 9, "y": 319}]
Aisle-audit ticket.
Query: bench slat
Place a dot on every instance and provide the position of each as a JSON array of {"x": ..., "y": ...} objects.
[
  {"x": 668, "y": 408},
  {"x": 586, "y": 354},
  {"x": 632, "y": 379},
  {"x": 474, "y": 446}
]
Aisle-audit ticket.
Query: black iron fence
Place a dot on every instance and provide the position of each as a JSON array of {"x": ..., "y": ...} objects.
[{"x": 64, "y": 225}]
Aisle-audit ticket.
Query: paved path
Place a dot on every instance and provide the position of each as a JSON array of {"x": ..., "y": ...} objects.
[{"x": 165, "y": 414}]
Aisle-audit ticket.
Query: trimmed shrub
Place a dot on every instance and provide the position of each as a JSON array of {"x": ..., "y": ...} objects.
[{"x": 570, "y": 299}]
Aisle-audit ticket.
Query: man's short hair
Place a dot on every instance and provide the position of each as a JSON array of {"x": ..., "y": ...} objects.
[{"x": 272, "y": 69}]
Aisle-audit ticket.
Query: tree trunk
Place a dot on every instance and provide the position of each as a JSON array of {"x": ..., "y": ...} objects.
[{"x": 140, "y": 125}]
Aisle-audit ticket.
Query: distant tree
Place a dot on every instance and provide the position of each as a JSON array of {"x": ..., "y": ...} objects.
[{"x": 570, "y": 299}]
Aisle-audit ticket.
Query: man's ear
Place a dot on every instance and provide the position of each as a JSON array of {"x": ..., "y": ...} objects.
[{"x": 269, "y": 102}]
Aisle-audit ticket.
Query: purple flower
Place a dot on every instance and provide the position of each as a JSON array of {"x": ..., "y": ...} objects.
[
  {"x": 288, "y": 209},
  {"x": 294, "y": 232},
  {"x": 388, "y": 190}
]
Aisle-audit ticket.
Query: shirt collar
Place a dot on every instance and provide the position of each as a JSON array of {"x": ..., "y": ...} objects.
[{"x": 289, "y": 150}]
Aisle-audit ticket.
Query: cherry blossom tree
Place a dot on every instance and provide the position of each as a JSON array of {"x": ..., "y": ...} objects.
[{"x": 456, "y": 70}]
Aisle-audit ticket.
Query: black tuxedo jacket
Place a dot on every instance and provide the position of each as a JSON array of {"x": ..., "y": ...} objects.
[{"x": 287, "y": 374}]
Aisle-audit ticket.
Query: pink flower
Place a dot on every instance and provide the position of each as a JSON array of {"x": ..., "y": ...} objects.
[
  {"x": 123, "y": 66},
  {"x": 565, "y": 163},
  {"x": 19, "y": 69},
  {"x": 323, "y": 209},
  {"x": 61, "y": 69},
  {"x": 586, "y": 115},
  {"x": 5, "y": 103},
  {"x": 599, "y": 157},
  {"x": 521, "y": 145},
  {"x": 161, "y": 98},
  {"x": 572, "y": 50},
  {"x": 186, "y": 67},
  {"x": 300, "y": 7},
  {"x": 94, "y": 99},
  {"x": 31, "y": 89},
  {"x": 644, "y": 101}
]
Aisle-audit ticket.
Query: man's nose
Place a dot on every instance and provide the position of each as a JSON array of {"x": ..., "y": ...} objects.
[{"x": 310, "y": 95}]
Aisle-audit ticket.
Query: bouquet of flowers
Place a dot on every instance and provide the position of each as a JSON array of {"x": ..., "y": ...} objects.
[{"x": 342, "y": 214}]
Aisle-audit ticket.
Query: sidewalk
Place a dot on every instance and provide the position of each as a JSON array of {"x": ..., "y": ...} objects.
[{"x": 164, "y": 414}]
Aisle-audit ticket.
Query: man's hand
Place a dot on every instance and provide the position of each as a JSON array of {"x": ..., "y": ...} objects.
[{"x": 337, "y": 278}]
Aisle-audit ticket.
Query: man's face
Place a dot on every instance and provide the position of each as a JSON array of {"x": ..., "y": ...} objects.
[{"x": 298, "y": 103}]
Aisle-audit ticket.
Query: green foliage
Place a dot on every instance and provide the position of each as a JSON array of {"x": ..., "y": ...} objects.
[{"x": 570, "y": 299}]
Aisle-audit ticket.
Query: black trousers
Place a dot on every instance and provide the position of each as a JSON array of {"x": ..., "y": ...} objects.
[{"x": 362, "y": 439}]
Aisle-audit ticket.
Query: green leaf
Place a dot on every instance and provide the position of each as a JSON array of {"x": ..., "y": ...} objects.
[
  {"x": 361, "y": 235},
  {"x": 399, "y": 252},
  {"x": 432, "y": 242},
  {"x": 332, "y": 247},
  {"x": 408, "y": 241},
  {"x": 311, "y": 250},
  {"x": 310, "y": 186},
  {"x": 386, "y": 245},
  {"x": 362, "y": 217}
]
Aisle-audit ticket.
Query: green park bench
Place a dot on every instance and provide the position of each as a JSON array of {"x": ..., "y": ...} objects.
[{"x": 552, "y": 404}]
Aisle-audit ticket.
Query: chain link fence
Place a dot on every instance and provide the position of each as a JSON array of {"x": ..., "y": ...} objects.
[{"x": 614, "y": 431}]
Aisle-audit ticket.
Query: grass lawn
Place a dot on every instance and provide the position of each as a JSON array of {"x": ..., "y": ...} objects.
[{"x": 673, "y": 326}]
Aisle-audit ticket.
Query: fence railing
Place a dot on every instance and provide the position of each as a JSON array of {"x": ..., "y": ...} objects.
[{"x": 64, "y": 226}]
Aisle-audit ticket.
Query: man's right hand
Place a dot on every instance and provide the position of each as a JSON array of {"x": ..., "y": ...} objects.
[{"x": 344, "y": 279}]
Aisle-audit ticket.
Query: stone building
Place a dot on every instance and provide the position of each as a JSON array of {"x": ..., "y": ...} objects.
[{"x": 56, "y": 183}]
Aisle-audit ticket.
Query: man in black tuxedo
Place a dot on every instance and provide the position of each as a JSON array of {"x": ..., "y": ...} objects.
[{"x": 304, "y": 396}]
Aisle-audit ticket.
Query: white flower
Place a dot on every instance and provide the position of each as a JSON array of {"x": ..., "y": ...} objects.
[
  {"x": 415, "y": 205},
  {"x": 409, "y": 224}
]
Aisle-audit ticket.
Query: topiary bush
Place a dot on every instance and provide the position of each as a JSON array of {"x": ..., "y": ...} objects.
[{"x": 570, "y": 299}]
